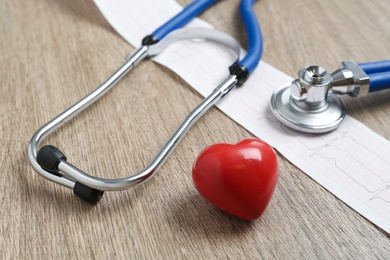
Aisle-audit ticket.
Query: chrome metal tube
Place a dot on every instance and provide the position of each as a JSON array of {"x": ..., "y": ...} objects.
[
  {"x": 136, "y": 56},
  {"x": 68, "y": 174},
  {"x": 124, "y": 183}
]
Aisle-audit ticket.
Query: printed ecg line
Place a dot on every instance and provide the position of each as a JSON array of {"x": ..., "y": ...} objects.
[
  {"x": 382, "y": 185},
  {"x": 378, "y": 184}
]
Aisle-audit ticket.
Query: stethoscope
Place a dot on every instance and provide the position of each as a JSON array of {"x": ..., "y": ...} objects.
[
  {"x": 52, "y": 164},
  {"x": 311, "y": 103}
]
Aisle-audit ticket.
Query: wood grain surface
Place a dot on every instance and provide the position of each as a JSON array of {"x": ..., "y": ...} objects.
[{"x": 53, "y": 52}]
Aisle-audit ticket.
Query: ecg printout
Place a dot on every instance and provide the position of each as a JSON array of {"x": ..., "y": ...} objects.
[{"x": 349, "y": 162}]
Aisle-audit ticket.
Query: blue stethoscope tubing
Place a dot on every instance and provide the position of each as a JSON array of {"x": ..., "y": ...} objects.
[
  {"x": 378, "y": 73},
  {"x": 181, "y": 19},
  {"x": 255, "y": 38},
  {"x": 52, "y": 164},
  {"x": 249, "y": 19}
]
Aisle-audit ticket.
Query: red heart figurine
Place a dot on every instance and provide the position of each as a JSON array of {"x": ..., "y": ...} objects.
[{"x": 239, "y": 179}]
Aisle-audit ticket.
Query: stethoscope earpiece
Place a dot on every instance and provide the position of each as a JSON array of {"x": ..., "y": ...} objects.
[
  {"x": 87, "y": 194},
  {"x": 49, "y": 158}
]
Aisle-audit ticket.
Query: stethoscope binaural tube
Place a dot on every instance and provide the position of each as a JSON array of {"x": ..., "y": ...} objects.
[{"x": 52, "y": 164}]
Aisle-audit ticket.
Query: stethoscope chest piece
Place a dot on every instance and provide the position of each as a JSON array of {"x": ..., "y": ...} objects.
[
  {"x": 302, "y": 117},
  {"x": 306, "y": 105}
]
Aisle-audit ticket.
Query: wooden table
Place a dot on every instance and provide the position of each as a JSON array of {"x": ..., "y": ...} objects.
[{"x": 54, "y": 52}]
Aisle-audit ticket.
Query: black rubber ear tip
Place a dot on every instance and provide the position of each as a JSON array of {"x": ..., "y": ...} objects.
[
  {"x": 87, "y": 194},
  {"x": 49, "y": 156}
]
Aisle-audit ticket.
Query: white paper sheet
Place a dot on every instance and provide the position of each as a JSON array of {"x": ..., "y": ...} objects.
[{"x": 350, "y": 161}]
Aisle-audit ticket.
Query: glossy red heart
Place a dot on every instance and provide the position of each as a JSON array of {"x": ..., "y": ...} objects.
[{"x": 239, "y": 179}]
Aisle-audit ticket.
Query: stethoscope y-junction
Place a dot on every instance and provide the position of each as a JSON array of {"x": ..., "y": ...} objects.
[
  {"x": 52, "y": 164},
  {"x": 311, "y": 103}
]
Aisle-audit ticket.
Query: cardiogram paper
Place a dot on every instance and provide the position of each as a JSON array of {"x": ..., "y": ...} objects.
[{"x": 350, "y": 161}]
